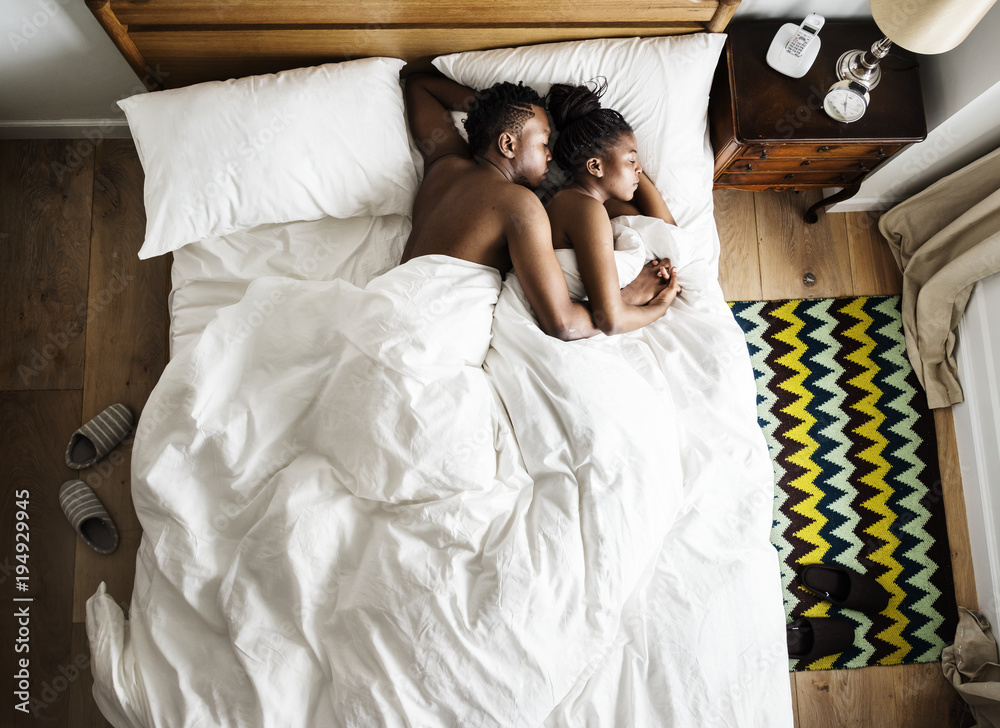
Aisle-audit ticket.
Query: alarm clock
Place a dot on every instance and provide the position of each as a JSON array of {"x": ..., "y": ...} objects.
[{"x": 846, "y": 101}]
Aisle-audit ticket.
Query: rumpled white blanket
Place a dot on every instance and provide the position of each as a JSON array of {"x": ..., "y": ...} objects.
[{"x": 349, "y": 522}]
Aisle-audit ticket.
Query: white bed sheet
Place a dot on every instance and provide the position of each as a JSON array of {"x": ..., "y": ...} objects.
[
  {"x": 701, "y": 641},
  {"x": 215, "y": 272}
]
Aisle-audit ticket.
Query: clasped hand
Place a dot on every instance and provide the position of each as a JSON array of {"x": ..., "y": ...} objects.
[{"x": 655, "y": 284}]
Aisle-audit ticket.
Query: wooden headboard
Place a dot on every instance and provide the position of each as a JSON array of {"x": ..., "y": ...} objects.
[{"x": 171, "y": 43}]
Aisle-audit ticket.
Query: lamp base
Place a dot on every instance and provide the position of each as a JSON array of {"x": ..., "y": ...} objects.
[{"x": 862, "y": 66}]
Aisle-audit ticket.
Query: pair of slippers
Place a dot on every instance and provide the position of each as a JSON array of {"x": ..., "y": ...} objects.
[
  {"x": 87, "y": 446},
  {"x": 812, "y": 638}
]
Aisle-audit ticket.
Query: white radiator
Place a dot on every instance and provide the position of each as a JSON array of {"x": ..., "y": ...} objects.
[{"x": 977, "y": 428}]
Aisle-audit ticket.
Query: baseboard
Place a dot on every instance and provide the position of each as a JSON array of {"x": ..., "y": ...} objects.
[
  {"x": 860, "y": 204},
  {"x": 977, "y": 431},
  {"x": 92, "y": 129}
]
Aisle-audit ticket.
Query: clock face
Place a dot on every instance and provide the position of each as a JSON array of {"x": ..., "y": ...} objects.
[{"x": 844, "y": 104}]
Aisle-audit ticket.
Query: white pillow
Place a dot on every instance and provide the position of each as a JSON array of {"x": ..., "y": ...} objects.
[
  {"x": 660, "y": 86},
  {"x": 229, "y": 155}
]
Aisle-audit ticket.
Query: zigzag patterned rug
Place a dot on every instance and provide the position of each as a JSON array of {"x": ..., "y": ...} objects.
[{"x": 856, "y": 470}]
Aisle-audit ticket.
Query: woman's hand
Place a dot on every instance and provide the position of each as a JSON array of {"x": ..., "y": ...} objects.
[
  {"x": 669, "y": 292},
  {"x": 650, "y": 282}
]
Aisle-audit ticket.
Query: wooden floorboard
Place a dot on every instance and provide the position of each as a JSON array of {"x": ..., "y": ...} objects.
[
  {"x": 798, "y": 260},
  {"x": 739, "y": 264},
  {"x": 954, "y": 509},
  {"x": 35, "y": 427},
  {"x": 873, "y": 269},
  {"x": 126, "y": 351},
  {"x": 81, "y": 702},
  {"x": 44, "y": 248}
]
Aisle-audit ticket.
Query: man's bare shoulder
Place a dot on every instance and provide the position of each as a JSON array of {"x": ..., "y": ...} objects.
[{"x": 450, "y": 164}]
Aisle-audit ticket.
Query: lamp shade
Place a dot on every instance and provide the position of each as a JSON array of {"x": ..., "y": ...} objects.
[{"x": 928, "y": 26}]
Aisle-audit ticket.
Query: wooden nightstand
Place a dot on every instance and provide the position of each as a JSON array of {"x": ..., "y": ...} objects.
[{"x": 769, "y": 131}]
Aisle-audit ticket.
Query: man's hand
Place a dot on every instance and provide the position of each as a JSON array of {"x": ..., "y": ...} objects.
[
  {"x": 651, "y": 281},
  {"x": 670, "y": 291}
]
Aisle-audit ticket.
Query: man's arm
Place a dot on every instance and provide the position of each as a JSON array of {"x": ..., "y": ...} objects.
[
  {"x": 430, "y": 99},
  {"x": 529, "y": 240}
]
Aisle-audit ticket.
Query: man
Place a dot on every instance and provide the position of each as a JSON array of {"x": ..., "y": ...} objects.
[{"x": 475, "y": 201}]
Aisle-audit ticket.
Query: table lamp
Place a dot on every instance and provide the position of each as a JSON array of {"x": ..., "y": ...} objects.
[{"x": 921, "y": 26}]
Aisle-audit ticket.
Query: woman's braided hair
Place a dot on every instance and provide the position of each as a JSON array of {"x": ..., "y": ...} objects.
[
  {"x": 499, "y": 108},
  {"x": 585, "y": 129}
]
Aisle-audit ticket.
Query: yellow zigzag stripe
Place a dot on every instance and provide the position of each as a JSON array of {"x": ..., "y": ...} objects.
[
  {"x": 803, "y": 457},
  {"x": 877, "y": 479}
]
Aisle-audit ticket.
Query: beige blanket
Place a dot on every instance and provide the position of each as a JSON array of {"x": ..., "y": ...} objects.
[
  {"x": 971, "y": 666},
  {"x": 945, "y": 239}
]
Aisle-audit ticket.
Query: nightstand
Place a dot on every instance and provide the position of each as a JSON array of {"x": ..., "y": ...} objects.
[{"x": 769, "y": 131}]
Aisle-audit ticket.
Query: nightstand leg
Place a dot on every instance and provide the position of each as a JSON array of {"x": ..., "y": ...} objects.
[{"x": 812, "y": 217}]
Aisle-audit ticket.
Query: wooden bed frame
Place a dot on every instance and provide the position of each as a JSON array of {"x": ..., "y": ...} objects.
[{"x": 172, "y": 43}]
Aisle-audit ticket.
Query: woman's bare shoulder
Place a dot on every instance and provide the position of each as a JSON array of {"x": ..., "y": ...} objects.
[
  {"x": 577, "y": 218},
  {"x": 572, "y": 204}
]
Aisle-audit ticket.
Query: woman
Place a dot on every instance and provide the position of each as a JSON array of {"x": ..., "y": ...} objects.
[{"x": 597, "y": 149}]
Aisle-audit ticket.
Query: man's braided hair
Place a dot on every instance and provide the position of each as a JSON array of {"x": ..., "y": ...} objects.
[
  {"x": 500, "y": 108},
  {"x": 585, "y": 129}
]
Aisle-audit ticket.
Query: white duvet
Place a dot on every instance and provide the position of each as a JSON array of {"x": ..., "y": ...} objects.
[{"x": 405, "y": 505}]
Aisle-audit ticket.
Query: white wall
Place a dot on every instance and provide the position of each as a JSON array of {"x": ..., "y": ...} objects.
[
  {"x": 789, "y": 9},
  {"x": 954, "y": 79},
  {"x": 59, "y": 71}
]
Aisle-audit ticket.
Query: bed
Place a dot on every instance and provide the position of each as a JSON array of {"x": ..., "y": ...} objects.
[{"x": 375, "y": 494}]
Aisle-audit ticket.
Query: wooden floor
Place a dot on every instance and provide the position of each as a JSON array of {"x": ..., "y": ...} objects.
[{"x": 85, "y": 325}]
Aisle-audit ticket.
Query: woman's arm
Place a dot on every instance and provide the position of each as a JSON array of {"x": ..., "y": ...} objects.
[
  {"x": 586, "y": 224},
  {"x": 647, "y": 201}
]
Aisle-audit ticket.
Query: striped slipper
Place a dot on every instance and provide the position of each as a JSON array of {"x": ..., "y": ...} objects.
[
  {"x": 99, "y": 436},
  {"x": 88, "y": 516}
]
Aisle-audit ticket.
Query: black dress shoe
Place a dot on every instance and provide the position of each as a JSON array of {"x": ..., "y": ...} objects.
[
  {"x": 812, "y": 638},
  {"x": 844, "y": 587}
]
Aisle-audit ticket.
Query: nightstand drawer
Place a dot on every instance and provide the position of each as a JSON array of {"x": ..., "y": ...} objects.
[
  {"x": 788, "y": 179},
  {"x": 780, "y": 164},
  {"x": 818, "y": 150}
]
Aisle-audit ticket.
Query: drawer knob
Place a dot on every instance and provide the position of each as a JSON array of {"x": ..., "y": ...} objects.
[
  {"x": 823, "y": 149},
  {"x": 880, "y": 153},
  {"x": 763, "y": 154},
  {"x": 861, "y": 166},
  {"x": 843, "y": 178},
  {"x": 789, "y": 176},
  {"x": 805, "y": 163},
  {"x": 749, "y": 168}
]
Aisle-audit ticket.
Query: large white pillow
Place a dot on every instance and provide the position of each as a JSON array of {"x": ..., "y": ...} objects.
[
  {"x": 660, "y": 86},
  {"x": 297, "y": 145}
]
